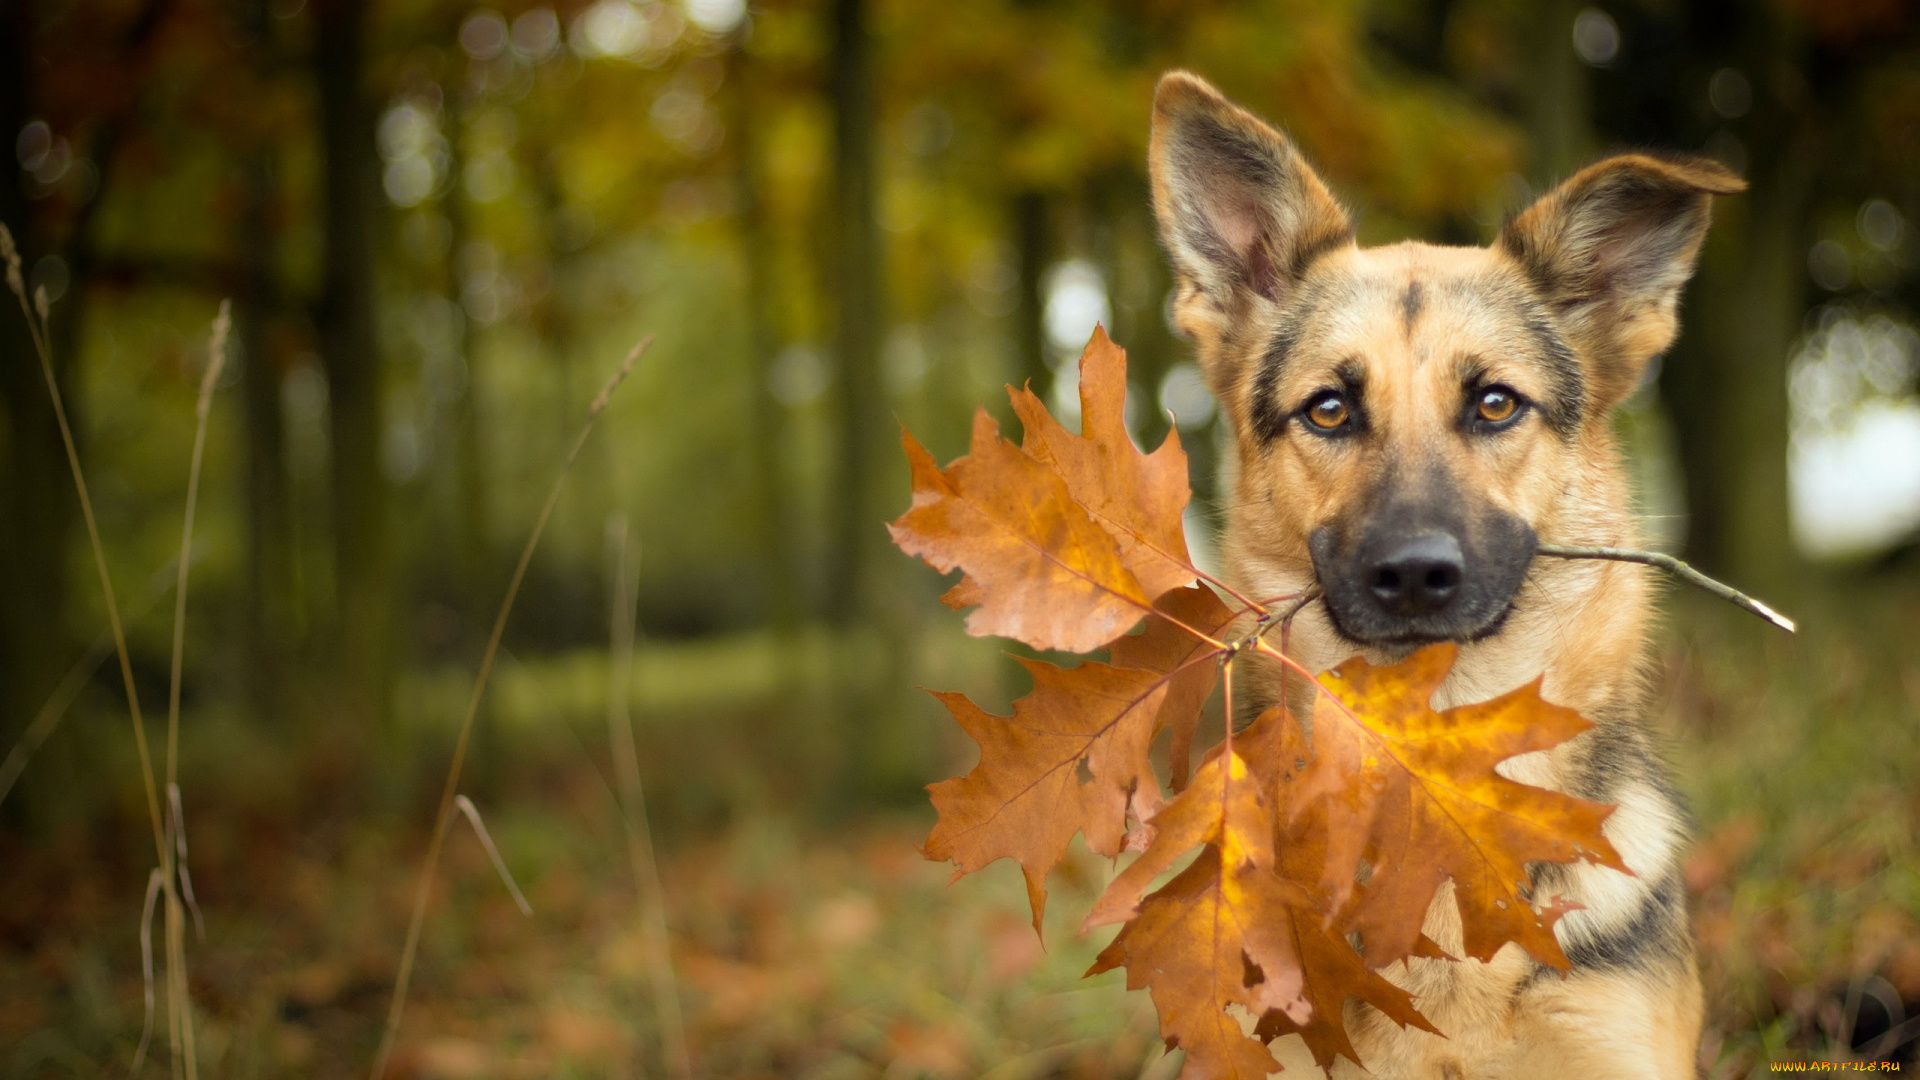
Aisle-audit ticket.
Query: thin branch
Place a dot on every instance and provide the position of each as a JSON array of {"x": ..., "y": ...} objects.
[
  {"x": 445, "y": 816},
  {"x": 1677, "y": 568}
]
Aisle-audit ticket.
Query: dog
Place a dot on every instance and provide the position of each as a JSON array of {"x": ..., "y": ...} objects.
[{"x": 1408, "y": 424}]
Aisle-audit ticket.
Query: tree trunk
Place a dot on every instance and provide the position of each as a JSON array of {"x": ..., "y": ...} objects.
[
  {"x": 857, "y": 306},
  {"x": 471, "y": 512},
  {"x": 349, "y": 357},
  {"x": 35, "y": 491},
  {"x": 269, "y": 520},
  {"x": 1726, "y": 383},
  {"x": 1559, "y": 98},
  {"x": 765, "y": 414},
  {"x": 270, "y": 601}
]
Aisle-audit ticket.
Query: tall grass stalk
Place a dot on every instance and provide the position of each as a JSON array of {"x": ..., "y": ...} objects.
[
  {"x": 633, "y": 803},
  {"x": 173, "y": 865},
  {"x": 38, "y": 328},
  {"x": 443, "y": 817}
]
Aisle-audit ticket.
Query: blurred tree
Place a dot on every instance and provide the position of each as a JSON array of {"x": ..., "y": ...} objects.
[
  {"x": 777, "y": 519},
  {"x": 1783, "y": 93},
  {"x": 52, "y": 208},
  {"x": 270, "y": 614},
  {"x": 34, "y": 487},
  {"x": 350, "y": 354},
  {"x": 859, "y": 314}
]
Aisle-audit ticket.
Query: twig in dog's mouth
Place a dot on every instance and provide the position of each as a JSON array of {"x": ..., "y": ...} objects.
[{"x": 1677, "y": 568}]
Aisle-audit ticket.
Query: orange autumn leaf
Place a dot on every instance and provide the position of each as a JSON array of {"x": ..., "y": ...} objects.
[
  {"x": 1138, "y": 498},
  {"x": 964, "y": 594},
  {"x": 1216, "y": 935},
  {"x": 1186, "y": 949},
  {"x": 1044, "y": 572},
  {"x": 1414, "y": 793},
  {"x": 1336, "y": 974},
  {"x": 1028, "y": 795}
]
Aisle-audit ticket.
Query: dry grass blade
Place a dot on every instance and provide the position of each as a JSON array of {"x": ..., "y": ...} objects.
[
  {"x": 180, "y": 1034},
  {"x": 146, "y": 969},
  {"x": 178, "y": 884},
  {"x": 216, "y": 360},
  {"x": 177, "y": 822},
  {"x": 444, "y": 817},
  {"x": 472, "y": 812},
  {"x": 633, "y": 803}
]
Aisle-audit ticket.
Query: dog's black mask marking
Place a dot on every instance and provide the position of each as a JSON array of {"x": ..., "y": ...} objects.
[{"x": 1418, "y": 563}]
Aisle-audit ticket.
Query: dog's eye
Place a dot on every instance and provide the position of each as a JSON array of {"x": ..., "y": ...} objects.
[
  {"x": 1497, "y": 403},
  {"x": 1329, "y": 411}
]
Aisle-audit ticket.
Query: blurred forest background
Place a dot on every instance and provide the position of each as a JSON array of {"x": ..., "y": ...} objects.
[{"x": 442, "y": 225}]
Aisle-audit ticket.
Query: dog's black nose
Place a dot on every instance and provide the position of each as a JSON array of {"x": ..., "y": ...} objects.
[{"x": 1419, "y": 575}]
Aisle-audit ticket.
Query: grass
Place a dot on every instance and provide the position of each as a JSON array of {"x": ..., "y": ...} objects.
[
  {"x": 1802, "y": 761},
  {"x": 443, "y": 815},
  {"x": 167, "y": 879}
]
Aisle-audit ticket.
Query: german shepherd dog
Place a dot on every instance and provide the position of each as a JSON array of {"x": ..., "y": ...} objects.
[{"x": 1409, "y": 423}]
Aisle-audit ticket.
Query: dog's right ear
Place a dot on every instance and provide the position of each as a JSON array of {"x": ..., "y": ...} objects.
[{"x": 1240, "y": 213}]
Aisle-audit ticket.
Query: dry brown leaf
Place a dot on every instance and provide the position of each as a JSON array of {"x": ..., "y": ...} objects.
[
  {"x": 1414, "y": 794},
  {"x": 1045, "y": 573},
  {"x": 1138, "y": 498},
  {"x": 1027, "y": 797}
]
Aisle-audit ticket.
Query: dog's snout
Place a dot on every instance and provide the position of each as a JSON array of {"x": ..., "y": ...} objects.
[{"x": 1417, "y": 575}]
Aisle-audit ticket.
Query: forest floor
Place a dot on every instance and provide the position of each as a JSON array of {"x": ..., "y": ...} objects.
[{"x": 823, "y": 946}]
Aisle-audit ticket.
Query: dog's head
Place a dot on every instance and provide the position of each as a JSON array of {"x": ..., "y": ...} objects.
[{"x": 1407, "y": 417}]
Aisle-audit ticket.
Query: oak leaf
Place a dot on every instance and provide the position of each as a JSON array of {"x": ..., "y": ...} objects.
[
  {"x": 1027, "y": 796},
  {"x": 1138, "y": 498},
  {"x": 1044, "y": 572},
  {"x": 1414, "y": 794},
  {"x": 1336, "y": 973},
  {"x": 1216, "y": 935}
]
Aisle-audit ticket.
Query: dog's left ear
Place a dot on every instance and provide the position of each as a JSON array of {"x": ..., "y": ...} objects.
[{"x": 1609, "y": 250}]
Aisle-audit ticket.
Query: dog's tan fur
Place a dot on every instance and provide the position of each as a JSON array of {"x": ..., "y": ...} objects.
[{"x": 1277, "y": 298}]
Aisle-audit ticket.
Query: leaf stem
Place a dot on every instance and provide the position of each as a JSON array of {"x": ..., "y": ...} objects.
[{"x": 1677, "y": 568}]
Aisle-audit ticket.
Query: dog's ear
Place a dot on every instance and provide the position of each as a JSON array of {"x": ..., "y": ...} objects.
[
  {"x": 1609, "y": 250},
  {"x": 1240, "y": 213}
]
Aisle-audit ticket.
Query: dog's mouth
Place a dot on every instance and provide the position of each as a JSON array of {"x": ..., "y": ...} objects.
[
  {"x": 1411, "y": 587},
  {"x": 1415, "y": 634}
]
